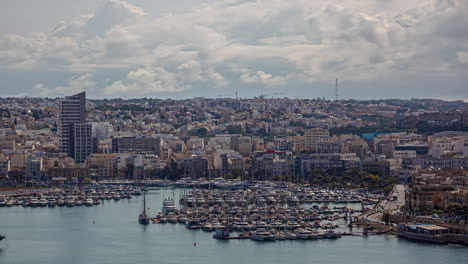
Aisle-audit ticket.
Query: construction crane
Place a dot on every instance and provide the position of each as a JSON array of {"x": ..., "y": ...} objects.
[
  {"x": 263, "y": 96},
  {"x": 224, "y": 95}
]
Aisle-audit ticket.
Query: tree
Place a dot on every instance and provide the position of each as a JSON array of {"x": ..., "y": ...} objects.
[
  {"x": 237, "y": 173},
  {"x": 386, "y": 217},
  {"x": 262, "y": 132},
  {"x": 234, "y": 129},
  {"x": 200, "y": 132}
]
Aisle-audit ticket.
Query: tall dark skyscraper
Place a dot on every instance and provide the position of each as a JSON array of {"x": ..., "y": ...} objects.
[{"x": 76, "y": 134}]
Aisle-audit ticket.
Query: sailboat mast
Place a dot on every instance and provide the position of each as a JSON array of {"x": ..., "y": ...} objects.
[{"x": 144, "y": 201}]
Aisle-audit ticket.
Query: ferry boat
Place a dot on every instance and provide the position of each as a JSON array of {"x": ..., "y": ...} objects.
[{"x": 425, "y": 232}]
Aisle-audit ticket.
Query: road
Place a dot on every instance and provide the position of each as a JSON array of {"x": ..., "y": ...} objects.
[{"x": 388, "y": 205}]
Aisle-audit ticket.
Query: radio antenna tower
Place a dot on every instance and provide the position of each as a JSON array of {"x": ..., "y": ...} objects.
[{"x": 336, "y": 89}]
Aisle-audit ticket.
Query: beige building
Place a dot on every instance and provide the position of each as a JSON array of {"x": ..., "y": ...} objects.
[
  {"x": 103, "y": 165},
  {"x": 312, "y": 136}
]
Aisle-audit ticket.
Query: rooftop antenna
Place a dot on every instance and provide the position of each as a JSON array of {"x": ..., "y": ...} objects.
[{"x": 336, "y": 89}]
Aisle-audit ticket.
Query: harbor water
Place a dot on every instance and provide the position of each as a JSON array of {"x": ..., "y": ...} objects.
[{"x": 110, "y": 233}]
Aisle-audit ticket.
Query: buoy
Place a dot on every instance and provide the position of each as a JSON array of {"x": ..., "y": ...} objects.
[
  {"x": 94, "y": 222},
  {"x": 194, "y": 244}
]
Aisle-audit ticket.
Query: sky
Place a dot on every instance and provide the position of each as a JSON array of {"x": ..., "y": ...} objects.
[{"x": 211, "y": 48}]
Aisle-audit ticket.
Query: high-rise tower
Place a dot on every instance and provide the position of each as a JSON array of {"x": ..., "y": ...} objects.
[
  {"x": 72, "y": 111},
  {"x": 76, "y": 137}
]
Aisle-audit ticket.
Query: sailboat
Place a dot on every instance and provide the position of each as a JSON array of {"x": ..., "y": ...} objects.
[{"x": 143, "y": 218}]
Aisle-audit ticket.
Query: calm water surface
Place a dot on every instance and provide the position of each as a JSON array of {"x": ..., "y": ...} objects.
[{"x": 68, "y": 235}]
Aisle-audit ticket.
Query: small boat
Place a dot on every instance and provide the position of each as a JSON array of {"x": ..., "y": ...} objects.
[
  {"x": 262, "y": 235},
  {"x": 42, "y": 202},
  {"x": 89, "y": 202},
  {"x": 221, "y": 233},
  {"x": 51, "y": 202},
  {"x": 143, "y": 218},
  {"x": 182, "y": 219},
  {"x": 242, "y": 226},
  {"x": 70, "y": 202},
  {"x": 304, "y": 234},
  {"x": 171, "y": 218},
  {"x": 332, "y": 235},
  {"x": 116, "y": 197},
  {"x": 193, "y": 224},
  {"x": 33, "y": 202},
  {"x": 207, "y": 227}
]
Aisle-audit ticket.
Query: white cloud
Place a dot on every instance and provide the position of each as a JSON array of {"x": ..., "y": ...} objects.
[
  {"x": 462, "y": 57},
  {"x": 146, "y": 81},
  {"x": 263, "y": 78},
  {"x": 236, "y": 42},
  {"x": 76, "y": 84}
]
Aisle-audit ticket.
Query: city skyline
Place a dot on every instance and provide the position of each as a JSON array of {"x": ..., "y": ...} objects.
[
  {"x": 134, "y": 49},
  {"x": 225, "y": 131}
]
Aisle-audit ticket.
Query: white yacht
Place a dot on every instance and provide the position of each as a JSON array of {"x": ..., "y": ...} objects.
[
  {"x": 304, "y": 234},
  {"x": 33, "y": 202},
  {"x": 70, "y": 201},
  {"x": 242, "y": 226},
  {"x": 207, "y": 227},
  {"x": 51, "y": 202},
  {"x": 42, "y": 202},
  {"x": 262, "y": 235},
  {"x": 89, "y": 202},
  {"x": 168, "y": 206}
]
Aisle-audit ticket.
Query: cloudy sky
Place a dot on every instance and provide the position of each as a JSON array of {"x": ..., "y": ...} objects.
[{"x": 187, "y": 48}]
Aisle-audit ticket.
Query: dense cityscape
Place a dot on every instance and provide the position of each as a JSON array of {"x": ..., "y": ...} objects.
[{"x": 340, "y": 144}]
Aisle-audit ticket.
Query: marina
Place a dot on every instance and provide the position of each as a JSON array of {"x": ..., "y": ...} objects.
[
  {"x": 110, "y": 233},
  {"x": 263, "y": 211},
  {"x": 87, "y": 196}
]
